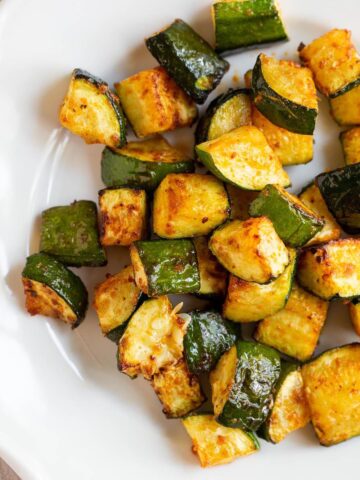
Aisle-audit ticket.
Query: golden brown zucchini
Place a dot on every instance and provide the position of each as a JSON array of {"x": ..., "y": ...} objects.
[
  {"x": 213, "y": 277},
  {"x": 345, "y": 108},
  {"x": 350, "y": 142}
]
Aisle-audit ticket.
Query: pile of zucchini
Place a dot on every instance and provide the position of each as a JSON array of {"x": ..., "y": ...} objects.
[{"x": 234, "y": 235}]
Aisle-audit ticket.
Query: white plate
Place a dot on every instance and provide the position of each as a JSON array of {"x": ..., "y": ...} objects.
[{"x": 65, "y": 410}]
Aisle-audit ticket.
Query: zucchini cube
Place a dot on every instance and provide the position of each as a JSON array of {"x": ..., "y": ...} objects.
[
  {"x": 345, "y": 108},
  {"x": 350, "y": 142},
  {"x": 213, "y": 277}
]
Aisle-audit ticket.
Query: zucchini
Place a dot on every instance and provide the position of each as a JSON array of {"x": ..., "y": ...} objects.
[
  {"x": 215, "y": 444},
  {"x": 250, "y": 301},
  {"x": 92, "y": 111},
  {"x": 354, "y": 312},
  {"x": 188, "y": 59},
  {"x": 165, "y": 266},
  {"x": 350, "y": 142},
  {"x": 123, "y": 214},
  {"x": 239, "y": 202},
  {"x": 226, "y": 112},
  {"x": 331, "y": 270},
  {"x": 250, "y": 249},
  {"x": 213, "y": 277},
  {"x": 242, "y": 24},
  {"x": 70, "y": 233},
  {"x": 345, "y": 108},
  {"x": 242, "y": 385},
  {"x": 189, "y": 205},
  {"x": 243, "y": 158},
  {"x": 311, "y": 197},
  {"x": 285, "y": 93},
  {"x": 153, "y": 103},
  {"x": 53, "y": 290},
  {"x": 153, "y": 339},
  {"x": 115, "y": 300},
  {"x": 332, "y": 387},
  {"x": 293, "y": 221},
  {"x": 334, "y": 62},
  {"x": 208, "y": 336},
  {"x": 295, "y": 330},
  {"x": 341, "y": 191}
]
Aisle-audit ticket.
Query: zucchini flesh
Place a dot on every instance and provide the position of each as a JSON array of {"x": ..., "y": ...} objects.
[
  {"x": 350, "y": 142},
  {"x": 70, "y": 233},
  {"x": 354, "y": 312},
  {"x": 239, "y": 202},
  {"x": 188, "y": 58},
  {"x": 345, "y": 108},
  {"x": 213, "y": 277}
]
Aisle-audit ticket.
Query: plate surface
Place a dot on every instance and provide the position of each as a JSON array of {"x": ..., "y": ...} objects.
[{"x": 65, "y": 411}]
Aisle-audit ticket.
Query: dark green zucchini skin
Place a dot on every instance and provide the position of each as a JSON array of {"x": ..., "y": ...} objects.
[
  {"x": 70, "y": 233},
  {"x": 279, "y": 110},
  {"x": 346, "y": 89},
  {"x": 250, "y": 398},
  {"x": 341, "y": 191},
  {"x": 115, "y": 334},
  {"x": 123, "y": 171},
  {"x": 189, "y": 59},
  {"x": 47, "y": 270}
]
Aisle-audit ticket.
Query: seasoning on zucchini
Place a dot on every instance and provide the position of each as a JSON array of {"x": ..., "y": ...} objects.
[
  {"x": 345, "y": 108},
  {"x": 53, "y": 290},
  {"x": 239, "y": 201},
  {"x": 332, "y": 387},
  {"x": 285, "y": 93},
  {"x": 242, "y": 385},
  {"x": 293, "y": 221},
  {"x": 189, "y": 205},
  {"x": 115, "y": 300},
  {"x": 188, "y": 59},
  {"x": 153, "y": 103},
  {"x": 215, "y": 444},
  {"x": 350, "y": 142},
  {"x": 250, "y": 249},
  {"x": 354, "y": 311},
  {"x": 70, "y": 233},
  {"x": 251, "y": 302},
  {"x": 165, "y": 266},
  {"x": 213, "y": 277},
  {"x": 243, "y": 157},
  {"x": 92, "y": 111}
]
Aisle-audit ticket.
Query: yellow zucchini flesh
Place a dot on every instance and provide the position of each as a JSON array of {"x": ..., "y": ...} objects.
[
  {"x": 213, "y": 277},
  {"x": 345, "y": 108},
  {"x": 350, "y": 142}
]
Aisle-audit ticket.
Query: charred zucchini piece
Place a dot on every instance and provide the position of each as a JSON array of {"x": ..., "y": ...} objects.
[
  {"x": 295, "y": 330},
  {"x": 334, "y": 62},
  {"x": 243, "y": 157},
  {"x": 53, "y": 290},
  {"x": 188, "y": 59},
  {"x": 350, "y": 142},
  {"x": 285, "y": 93},
  {"x": 189, "y": 205},
  {"x": 354, "y": 311},
  {"x": 239, "y": 202},
  {"x": 115, "y": 300},
  {"x": 213, "y": 277},
  {"x": 293, "y": 221},
  {"x": 345, "y": 108},
  {"x": 143, "y": 164},
  {"x": 250, "y": 249},
  {"x": 242, "y": 385},
  {"x": 152, "y": 340},
  {"x": 215, "y": 444},
  {"x": 165, "y": 266},
  {"x": 153, "y": 103},
  {"x": 226, "y": 112},
  {"x": 341, "y": 191},
  {"x": 92, "y": 111},
  {"x": 332, "y": 387},
  {"x": 70, "y": 233},
  {"x": 331, "y": 270},
  {"x": 250, "y": 301}
]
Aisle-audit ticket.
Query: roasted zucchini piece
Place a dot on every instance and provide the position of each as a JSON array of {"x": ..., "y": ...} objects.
[
  {"x": 215, "y": 444},
  {"x": 285, "y": 93},
  {"x": 53, "y": 290},
  {"x": 250, "y": 249},
  {"x": 242, "y": 385},
  {"x": 70, "y": 233},
  {"x": 153, "y": 339},
  {"x": 188, "y": 59},
  {"x": 251, "y": 302},
  {"x": 350, "y": 142},
  {"x": 345, "y": 108},
  {"x": 334, "y": 62},
  {"x": 341, "y": 191},
  {"x": 293, "y": 221},
  {"x": 213, "y": 277},
  {"x": 178, "y": 390},
  {"x": 189, "y": 205},
  {"x": 226, "y": 112},
  {"x": 154, "y": 103},
  {"x": 332, "y": 387},
  {"x": 295, "y": 330},
  {"x": 92, "y": 111},
  {"x": 115, "y": 300},
  {"x": 354, "y": 311},
  {"x": 165, "y": 266},
  {"x": 243, "y": 157},
  {"x": 331, "y": 270},
  {"x": 239, "y": 201}
]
